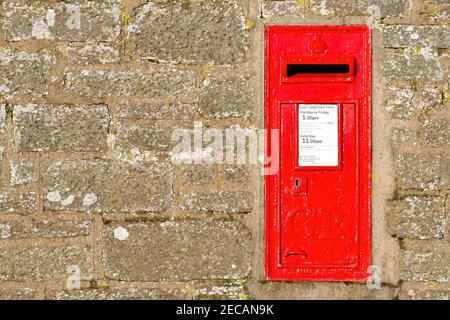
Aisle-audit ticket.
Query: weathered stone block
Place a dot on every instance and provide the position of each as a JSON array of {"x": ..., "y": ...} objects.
[
  {"x": 16, "y": 229},
  {"x": 412, "y": 64},
  {"x": 158, "y": 81},
  {"x": 417, "y": 217},
  {"x": 387, "y": 8},
  {"x": 270, "y": 9},
  {"x": 405, "y": 102},
  {"x": 426, "y": 261},
  {"x": 198, "y": 31},
  {"x": 422, "y": 171},
  {"x": 131, "y": 293},
  {"x": 236, "y": 173},
  {"x": 18, "y": 202},
  {"x": 17, "y": 294},
  {"x": 436, "y": 12},
  {"x": 90, "y": 53},
  {"x": 318, "y": 290},
  {"x": 71, "y": 21},
  {"x": 435, "y": 132},
  {"x": 60, "y": 128},
  {"x": 220, "y": 292},
  {"x": 23, "y": 172},
  {"x": 174, "y": 111},
  {"x": 197, "y": 174},
  {"x": 427, "y": 98},
  {"x": 144, "y": 142},
  {"x": 25, "y": 73},
  {"x": 227, "y": 93},
  {"x": 399, "y": 36},
  {"x": 38, "y": 263},
  {"x": 176, "y": 250},
  {"x": 218, "y": 201},
  {"x": 398, "y": 100},
  {"x": 403, "y": 136},
  {"x": 421, "y": 291},
  {"x": 107, "y": 186}
]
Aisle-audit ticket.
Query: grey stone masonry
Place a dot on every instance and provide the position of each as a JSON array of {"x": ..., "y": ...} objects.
[
  {"x": 197, "y": 31},
  {"x": 28, "y": 263},
  {"x": 176, "y": 250},
  {"x": 39, "y": 128},
  {"x": 107, "y": 186},
  {"x": 65, "y": 21}
]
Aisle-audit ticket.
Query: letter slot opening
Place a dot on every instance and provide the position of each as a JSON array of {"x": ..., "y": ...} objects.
[
  {"x": 299, "y": 69},
  {"x": 317, "y": 69}
]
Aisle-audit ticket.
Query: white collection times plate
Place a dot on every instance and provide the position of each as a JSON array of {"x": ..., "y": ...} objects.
[{"x": 318, "y": 135}]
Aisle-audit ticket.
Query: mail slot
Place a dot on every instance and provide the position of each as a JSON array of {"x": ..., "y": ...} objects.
[{"x": 318, "y": 101}]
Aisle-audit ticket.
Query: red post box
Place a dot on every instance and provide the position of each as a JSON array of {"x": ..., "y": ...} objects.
[{"x": 318, "y": 98}]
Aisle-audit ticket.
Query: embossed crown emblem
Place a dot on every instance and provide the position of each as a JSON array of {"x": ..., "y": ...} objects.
[{"x": 317, "y": 46}]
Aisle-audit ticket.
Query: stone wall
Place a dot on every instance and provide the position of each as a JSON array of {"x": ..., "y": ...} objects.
[{"x": 90, "y": 93}]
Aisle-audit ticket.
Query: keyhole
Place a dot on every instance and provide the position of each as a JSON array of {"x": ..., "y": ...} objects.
[{"x": 297, "y": 182}]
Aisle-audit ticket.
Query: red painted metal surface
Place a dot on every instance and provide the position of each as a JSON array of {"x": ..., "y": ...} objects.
[{"x": 318, "y": 218}]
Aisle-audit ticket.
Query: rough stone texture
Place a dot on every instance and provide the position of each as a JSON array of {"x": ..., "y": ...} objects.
[
  {"x": 3, "y": 137},
  {"x": 175, "y": 111},
  {"x": 236, "y": 173},
  {"x": 444, "y": 59},
  {"x": 227, "y": 92},
  {"x": 270, "y": 9},
  {"x": 18, "y": 202},
  {"x": 417, "y": 217},
  {"x": 107, "y": 186},
  {"x": 359, "y": 7},
  {"x": 198, "y": 31},
  {"x": 435, "y": 132},
  {"x": 218, "y": 201},
  {"x": 422, "y": 171},
  {"x": 311, "y": 290},
  {"x": 412, "y": 64},
  {"x": 38, "y": 263},
  {"x": 23, "y": 172},
  {"x": 17, "y": 294},
  {"x": 44, "y": 229},
  {"x": 3, "y": 127},
  {"x": 201, "y": 174},
  {"x": 427, "y": 98},
  {"x": 436, "y": 12},
  {"x": 399, "y": 36},
  {"x": 164, "y": 81},
  {"x": 404, "y": 102},
  {"x": 72, "y": 21},
  {"x": 144, "y": 142},
  {"x": 418, "y": 291},
  {"x": 25, "y": 73},
  {"x": 131, "y": 293},
  {"x": 398, "y": 100},
  {"x": 40, "y": 128},
  {"x": 426, "y": 261},
  {"x": 197, "y": 174},
  {"x": 403, "y": 136},
  {"x": 193, "y": 249},
  {"x": 221, "y": 292},
  {"x": 91, "y": 53}
]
